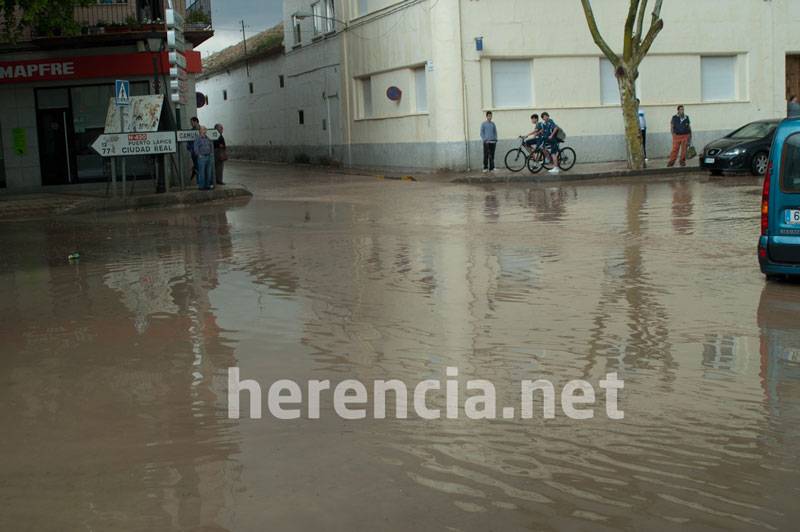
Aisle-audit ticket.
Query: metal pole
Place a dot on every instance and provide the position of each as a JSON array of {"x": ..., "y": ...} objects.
[
  {"x": 177, "y": 150},
  {"x": 122, "y": 131}
]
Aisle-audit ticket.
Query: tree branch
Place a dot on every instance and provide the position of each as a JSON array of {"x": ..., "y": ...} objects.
[
  {"x": 628, "y": 47},
  {"x": 655, "y": 29},
  {"x": 598, "y": 39},
  {"x": 640, "y": 23}
]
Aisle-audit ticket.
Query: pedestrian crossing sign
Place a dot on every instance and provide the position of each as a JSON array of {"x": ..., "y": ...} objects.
[{"x": 122, "y": 92}]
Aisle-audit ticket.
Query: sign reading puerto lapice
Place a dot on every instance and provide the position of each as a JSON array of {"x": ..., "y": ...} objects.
[{"x": 117, "y": 144}]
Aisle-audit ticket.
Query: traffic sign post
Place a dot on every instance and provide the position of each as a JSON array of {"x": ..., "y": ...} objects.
[
  {"x": 122, "y": 99},
  {"x": 177, "y": 68}
]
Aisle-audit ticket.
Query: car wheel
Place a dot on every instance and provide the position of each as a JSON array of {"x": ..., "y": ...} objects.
[{"x": 759, "y": 164}]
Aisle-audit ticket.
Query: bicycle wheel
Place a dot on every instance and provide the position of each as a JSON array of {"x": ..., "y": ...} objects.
[
  {"x": 566, "y": 158},
  {"x": 536, "y": 162},
  {"x": 545, "y": 158},
  {"x": 516, "y": 159}
]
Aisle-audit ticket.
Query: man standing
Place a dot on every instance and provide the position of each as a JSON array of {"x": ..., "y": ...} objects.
[
  {"x": 203, "y": 150},
  {"x": 195, "y": 124},
  {"x": 642, "y": 128},
  {"x": 489, "y": 139},
  {"x": 220, "y": 155},
  {"x": 681, "y": 128}
]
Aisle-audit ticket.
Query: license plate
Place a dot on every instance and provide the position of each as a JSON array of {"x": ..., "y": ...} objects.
[
  {"x": 710, "y": 160},
  {"x": 792, "y": 355},
  {"x": 793, "y": 216}
]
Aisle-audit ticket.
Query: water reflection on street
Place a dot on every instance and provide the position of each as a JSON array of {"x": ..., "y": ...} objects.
[{"x": 114, "y": 369}]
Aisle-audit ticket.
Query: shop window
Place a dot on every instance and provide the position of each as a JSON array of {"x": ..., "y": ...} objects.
[
  {"x": 512, "y": 83},
  {"x": 718, "y": 78},
  {"x": 421, "y": 86},
  {"x": 2, "y": 162}
]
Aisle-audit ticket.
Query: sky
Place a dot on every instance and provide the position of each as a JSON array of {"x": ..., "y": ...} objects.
[{"x": 226, "y": 15}]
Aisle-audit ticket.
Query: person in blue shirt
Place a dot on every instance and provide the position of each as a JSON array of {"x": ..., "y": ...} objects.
[
  {"x": 489, "y": 139},
  {"x": 549, "y": 131},
  {"x": 203, "y": 149}
]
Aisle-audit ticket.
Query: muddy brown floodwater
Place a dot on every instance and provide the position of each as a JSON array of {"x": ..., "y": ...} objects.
[{"x": 113, "y": 369}]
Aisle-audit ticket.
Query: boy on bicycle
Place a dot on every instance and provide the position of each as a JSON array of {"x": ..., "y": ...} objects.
[
  {"x": 536, "y": 135},
  {"x": 550, "y": 140}
]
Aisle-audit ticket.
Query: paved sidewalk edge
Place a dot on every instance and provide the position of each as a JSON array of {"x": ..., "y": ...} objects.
[
  {"x": 186, "y": 197},
  {"x": 544, "y": 177}
]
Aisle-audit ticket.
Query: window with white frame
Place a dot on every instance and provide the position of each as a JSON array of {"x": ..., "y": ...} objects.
[
  {"x": 512, "y": 83},
  {"x": 297, "y": 37},
  {"x": 330, "y": 13},
  {"x": 421, "y": 89},
  {"x": 718, "y": 78},
  {"x": 366, "y": 97},
  {"x": 319, "y": 22}
]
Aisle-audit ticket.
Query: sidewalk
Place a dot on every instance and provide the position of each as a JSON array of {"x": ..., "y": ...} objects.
[
  {"x": 66, "y": 202},
  {"x": 656, "y": 167}
]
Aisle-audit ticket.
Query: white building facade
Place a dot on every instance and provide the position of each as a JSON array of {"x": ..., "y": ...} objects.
[{"x": 406, "y": 84}]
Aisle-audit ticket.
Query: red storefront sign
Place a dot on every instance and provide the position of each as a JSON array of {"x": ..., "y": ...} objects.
[{"x": 93, "y": 66}]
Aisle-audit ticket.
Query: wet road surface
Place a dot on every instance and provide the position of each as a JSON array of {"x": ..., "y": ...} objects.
[{"x": 113, "y": 369}]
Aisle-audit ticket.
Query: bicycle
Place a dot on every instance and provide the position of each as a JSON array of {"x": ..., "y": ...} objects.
[
  {"x": 540, "y": 158},
  {"x": 517, "y": 158}
]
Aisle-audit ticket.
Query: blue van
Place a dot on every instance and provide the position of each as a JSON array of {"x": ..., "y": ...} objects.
[{"x": 779, "y": 245}]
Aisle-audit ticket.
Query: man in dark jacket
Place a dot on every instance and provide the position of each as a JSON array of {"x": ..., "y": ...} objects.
[{"x": 681, "y": 128}]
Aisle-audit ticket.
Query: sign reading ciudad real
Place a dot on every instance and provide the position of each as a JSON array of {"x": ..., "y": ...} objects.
[{"x": 120, "y": 144}]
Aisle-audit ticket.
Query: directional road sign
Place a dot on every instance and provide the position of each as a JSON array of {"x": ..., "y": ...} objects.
[
  {"x": 120, "y": 144},
  {"x": 188, "y": 135}
]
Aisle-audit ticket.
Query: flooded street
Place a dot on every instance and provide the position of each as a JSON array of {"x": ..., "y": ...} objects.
[{"x": 114, "y": 368}]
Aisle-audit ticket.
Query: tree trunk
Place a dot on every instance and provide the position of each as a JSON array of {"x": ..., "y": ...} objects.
[{"x": 630, "y": 114}]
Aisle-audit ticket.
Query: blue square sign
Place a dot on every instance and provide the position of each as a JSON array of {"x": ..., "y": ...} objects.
[{"x": 122, "y": 92}]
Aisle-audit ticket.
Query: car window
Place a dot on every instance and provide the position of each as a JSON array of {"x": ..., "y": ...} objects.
[
  {"x": 756, "y": 130},
  {"x": 790, "y": 164}
]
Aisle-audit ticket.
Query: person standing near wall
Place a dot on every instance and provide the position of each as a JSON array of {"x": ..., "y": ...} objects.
[
  {"x": 203, "y": 149},
  {"x": 642, "y": 127},
  {"x": 793, "y": 107},
  {"x": 681, "y": 128},
  {"x": 489, "y": 138},
  {"x": 220, "y": 155},
  {"x": 195, "y": 122}
]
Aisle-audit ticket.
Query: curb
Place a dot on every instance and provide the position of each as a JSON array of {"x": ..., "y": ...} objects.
[
  {"x": 169, "y": 199},
  {"x": 566, "y": 176}
]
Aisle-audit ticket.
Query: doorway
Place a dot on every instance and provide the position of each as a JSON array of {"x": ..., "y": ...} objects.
[
  {"x": 57, "y": 159},
  {"x": 792, "y": 75}
]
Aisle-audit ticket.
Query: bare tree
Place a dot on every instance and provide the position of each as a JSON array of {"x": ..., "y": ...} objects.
[{"x": 636, "y": 45}]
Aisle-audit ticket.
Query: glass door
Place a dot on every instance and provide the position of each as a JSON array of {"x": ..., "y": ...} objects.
[{"x": 57, "y": 159}]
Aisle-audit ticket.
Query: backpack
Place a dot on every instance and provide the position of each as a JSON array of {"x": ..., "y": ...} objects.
[{"x": 561, "y": 135}]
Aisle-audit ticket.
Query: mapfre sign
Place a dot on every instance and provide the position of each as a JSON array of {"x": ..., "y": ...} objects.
[{"x": 92, "y": 66}]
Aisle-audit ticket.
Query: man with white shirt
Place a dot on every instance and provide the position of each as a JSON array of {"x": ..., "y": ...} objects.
[{"x": 642, "y": 127}]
